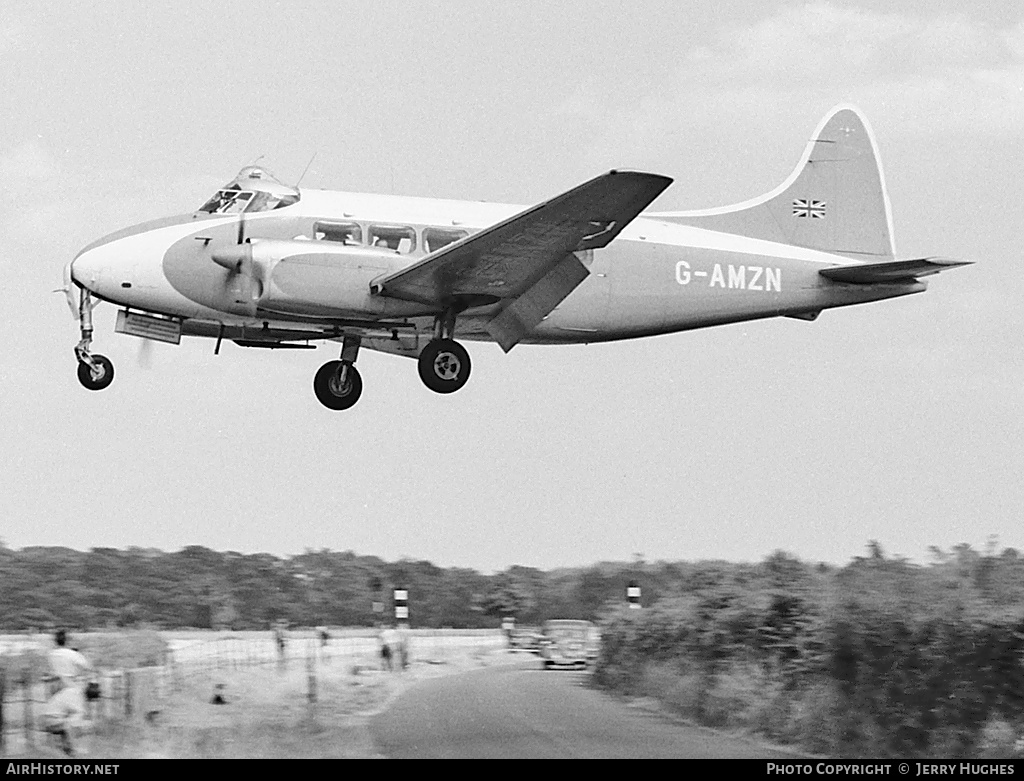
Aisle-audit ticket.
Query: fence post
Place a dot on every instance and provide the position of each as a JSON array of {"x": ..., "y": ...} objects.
[
  {"x": 3, "y": 693},
  {"x": 26, "y": 686},
  {"x": 101, "y": 703},
  {"x": 310, "y": 673},
  {"x": 128, "y": 692}
]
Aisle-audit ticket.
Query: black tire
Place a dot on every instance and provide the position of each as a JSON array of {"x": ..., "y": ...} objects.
[
  {"x": 327, "y": 390},
  {"x": 101, "y": 378},
  {"x": 444, "y": 365}
]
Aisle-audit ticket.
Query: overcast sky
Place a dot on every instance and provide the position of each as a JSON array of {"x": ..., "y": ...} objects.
[{"x": 899, "y": 421}]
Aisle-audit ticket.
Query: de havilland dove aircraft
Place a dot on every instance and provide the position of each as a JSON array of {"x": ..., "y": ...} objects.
[{"x": 264, "y": 264}]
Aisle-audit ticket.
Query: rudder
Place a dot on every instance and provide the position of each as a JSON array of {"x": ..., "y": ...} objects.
[{"x": 834, "y": 201}]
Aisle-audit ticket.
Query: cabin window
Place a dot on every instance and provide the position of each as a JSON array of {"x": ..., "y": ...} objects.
[
  {"x": 343, "y": 232},
  {"x": 435, "y": 238},
  {"x": 401, "y": 238}
]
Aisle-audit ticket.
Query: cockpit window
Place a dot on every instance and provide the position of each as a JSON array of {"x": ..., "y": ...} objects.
[
  {"x": 227, "y": 201},
  {"x": 264, "y": 202},
  {"x": 253, "y": 190}
]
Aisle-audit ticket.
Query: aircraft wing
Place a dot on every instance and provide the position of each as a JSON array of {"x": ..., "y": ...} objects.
[
  {"x": 890, "y": 271},
  {"x": 508, "y": 259}
]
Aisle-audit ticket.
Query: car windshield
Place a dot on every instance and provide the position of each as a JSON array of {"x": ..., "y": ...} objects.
[
  {"x": 566, "y": 629},
  {"x": 566, "y": 633},
  {"x": 253, "y": 190}
]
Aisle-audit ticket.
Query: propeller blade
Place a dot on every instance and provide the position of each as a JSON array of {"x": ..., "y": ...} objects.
[
  {"x": 241, "y": 228},
  {"x": 145, "y": 354},
  {"x": 69, "y": 291}
]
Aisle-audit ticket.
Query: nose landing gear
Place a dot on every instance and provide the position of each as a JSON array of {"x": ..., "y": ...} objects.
[{"x": 95, "y": 371}]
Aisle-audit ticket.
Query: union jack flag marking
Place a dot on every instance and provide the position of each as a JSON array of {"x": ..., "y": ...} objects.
[{"x": 803, "y": 207}]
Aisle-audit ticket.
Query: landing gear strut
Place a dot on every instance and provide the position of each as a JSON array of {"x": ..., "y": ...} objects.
[
  {"x": 444, "y": 363},
  {"x": 95, "y": 371},
  {"x": 337, "y": 384}
]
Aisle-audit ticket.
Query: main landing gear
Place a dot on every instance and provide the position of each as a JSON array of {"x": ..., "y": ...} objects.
[
  {"x": 337, "y": 384},
  {"x": 95, "y": 371},
  {"x": 443, "y": 366},
  {"x": 444, "y": 363}
]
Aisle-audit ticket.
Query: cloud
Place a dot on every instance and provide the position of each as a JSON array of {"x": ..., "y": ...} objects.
[
  {"x": 926, "y": 74},
  {"x": 946, "y": 71},
  {"x": 52, "y": 204},
  {"x": 12, "y": 32},
  {"x": 818, "y": 44},
  {"x": 29, "y": 161}
]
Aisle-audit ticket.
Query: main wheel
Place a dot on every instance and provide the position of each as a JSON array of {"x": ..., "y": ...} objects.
[
  {"x": 332, "y": 391},
  {"x": 444, "y": 365},
  {"x": 98, "y": 378}
]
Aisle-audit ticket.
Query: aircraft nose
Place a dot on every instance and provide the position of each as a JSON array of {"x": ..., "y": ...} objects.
[
  {"x": 86, "y": 268},
  {"x": 106, "y": 269},
  {"x": 126, "y": 267}
]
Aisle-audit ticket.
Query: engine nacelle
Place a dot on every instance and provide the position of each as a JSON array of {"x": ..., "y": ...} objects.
[{"x": 322, "y": 277}]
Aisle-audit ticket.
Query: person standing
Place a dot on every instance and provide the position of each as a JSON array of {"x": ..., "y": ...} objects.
[
  {"x": 65, "y": 711},
  {"x": 279, "y": 640},
  {"x": 389, "y": 641}
]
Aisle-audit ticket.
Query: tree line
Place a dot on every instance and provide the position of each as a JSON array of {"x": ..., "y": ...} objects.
[
  {"x": 878, "y": 658},
  {"x": 197, "y": 587},
  {"x": 202, "y": 588}
]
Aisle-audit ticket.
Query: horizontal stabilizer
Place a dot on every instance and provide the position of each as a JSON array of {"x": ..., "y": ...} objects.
[{"x": 891, "y": 271}]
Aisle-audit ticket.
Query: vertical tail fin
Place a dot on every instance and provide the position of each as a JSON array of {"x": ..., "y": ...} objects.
[{"x": 834, "y": 201}]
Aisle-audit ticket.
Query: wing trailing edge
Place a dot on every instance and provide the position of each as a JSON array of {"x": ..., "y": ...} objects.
[{"x": 504, "y": 261}]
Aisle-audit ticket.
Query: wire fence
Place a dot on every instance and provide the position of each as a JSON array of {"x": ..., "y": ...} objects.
[
  {"x": 141, "y": 693},
  {"x": 123, "y": 694}
]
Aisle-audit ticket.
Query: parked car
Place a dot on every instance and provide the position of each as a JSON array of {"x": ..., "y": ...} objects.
[
  {"x": 568, "y": 643},
  {"x": 525, "y": 638}
]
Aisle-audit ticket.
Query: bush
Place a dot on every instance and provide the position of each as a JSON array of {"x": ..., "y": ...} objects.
[
  {"x": 886, "y": 668},
  {"x": 998, "y": 740}
]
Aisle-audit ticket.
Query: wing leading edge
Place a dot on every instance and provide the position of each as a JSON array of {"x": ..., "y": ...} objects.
[
  {"x": 526, "y": 261},
  {"x": 890, "y": 271}
]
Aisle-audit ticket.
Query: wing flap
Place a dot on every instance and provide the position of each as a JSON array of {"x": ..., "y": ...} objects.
[
  {"x": 504, "y": 261},
  {"x": 522, "y": 315},
  {"x": 890, "y": 271}
]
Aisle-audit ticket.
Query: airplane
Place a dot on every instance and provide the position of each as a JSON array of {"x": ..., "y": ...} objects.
[{"x": 267, "y": 265}]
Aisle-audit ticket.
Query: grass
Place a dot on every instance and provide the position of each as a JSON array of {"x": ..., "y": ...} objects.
[
  {"x": 106, "y": 650},
  {"x": 267, "y": 712},
  {"x": 743, "y": 701}
]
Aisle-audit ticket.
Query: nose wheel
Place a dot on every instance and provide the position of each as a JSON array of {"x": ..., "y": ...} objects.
[
  {"x": 95, "y": 371},
  {"x": 96, "y": 375}
]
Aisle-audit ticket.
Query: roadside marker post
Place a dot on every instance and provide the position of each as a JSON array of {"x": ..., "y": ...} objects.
[
  {"x": 378, "y": 604},
  {"x": 633, "y": 594},
  {"x": 402, "y": 617},
  {"x": 402, "y": 605}
]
